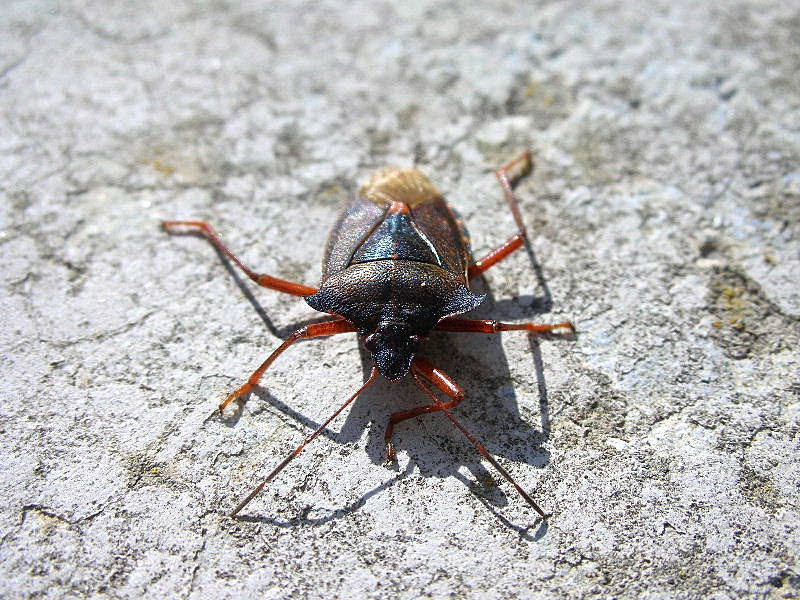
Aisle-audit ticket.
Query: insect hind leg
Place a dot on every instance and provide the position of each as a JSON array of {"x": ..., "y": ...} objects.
[
  {"x": 262, "y": 279},
  {"x": 507, "y": 175}
]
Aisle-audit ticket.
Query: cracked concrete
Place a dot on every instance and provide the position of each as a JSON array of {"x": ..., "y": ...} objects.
[{"x": 663, "y": 218}]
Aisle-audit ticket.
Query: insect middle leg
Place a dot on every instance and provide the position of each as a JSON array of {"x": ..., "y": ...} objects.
[
  {"x": 489, "y": 326},
  {"x": 442, "y": 381},
  {"x": 309, "y": 331},
  {"x": 262, "y": 279},
  {"x": 508, "y": 175}
]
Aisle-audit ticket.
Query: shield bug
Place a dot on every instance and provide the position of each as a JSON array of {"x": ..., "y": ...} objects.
[{"x": 396, "y": 268}]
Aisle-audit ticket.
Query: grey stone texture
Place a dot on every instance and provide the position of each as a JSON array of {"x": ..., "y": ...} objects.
[{"x": 663, "y": 217}]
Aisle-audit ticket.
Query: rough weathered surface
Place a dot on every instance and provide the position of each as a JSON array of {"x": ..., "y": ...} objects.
[{"x": 664, "y": 214}]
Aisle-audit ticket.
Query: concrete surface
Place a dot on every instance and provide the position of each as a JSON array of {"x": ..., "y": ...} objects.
[{"x": 663, "y": 215}]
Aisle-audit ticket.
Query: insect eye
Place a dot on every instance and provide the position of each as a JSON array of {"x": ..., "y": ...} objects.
[{"x": 369, "y": 342}]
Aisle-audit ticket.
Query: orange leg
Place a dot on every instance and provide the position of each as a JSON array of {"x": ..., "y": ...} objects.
[
  {"x": 267, "y": 281},
  {"x": 309, "y": 331},
  {"x": 488, "y": 326},
  {"x": 508, "y": 175},
  {"x": 449, "y": 387},
  {"x": 438, "y": 378},
  {"x": 496, "y": 255}
]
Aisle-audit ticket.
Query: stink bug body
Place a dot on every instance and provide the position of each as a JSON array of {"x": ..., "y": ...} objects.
[{"x": 396, "y": 267}]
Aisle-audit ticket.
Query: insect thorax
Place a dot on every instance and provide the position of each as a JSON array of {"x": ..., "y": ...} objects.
[{"x": 413, "y": 293}]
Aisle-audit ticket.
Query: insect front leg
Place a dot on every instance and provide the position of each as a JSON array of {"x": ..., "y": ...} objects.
[
  {"x": 267, "y": 281},
  {"x": 438, "y": 378},
  {"x": 445, "y": 383},
  {"x": 309, "y": 331},
  {"x": 508, "y": 175}
]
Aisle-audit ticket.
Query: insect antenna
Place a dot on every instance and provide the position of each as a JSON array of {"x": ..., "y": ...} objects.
[
  {"x": 373, "y": 376},
  {"x": 480, "y": 447}
]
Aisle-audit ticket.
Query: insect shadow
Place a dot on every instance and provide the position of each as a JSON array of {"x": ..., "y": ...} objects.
[{"x": 491, "y": 408}]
